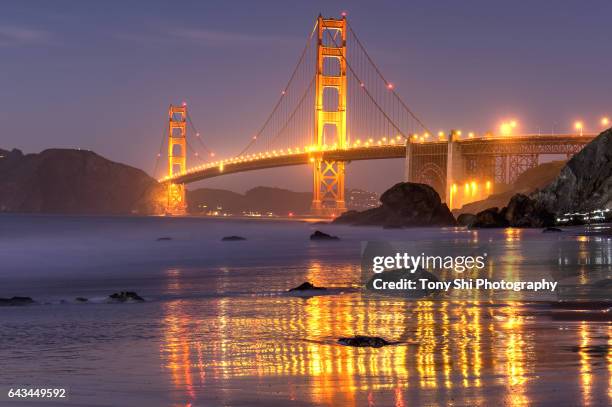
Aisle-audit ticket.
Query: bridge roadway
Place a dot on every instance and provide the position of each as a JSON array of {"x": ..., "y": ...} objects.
[{"x": 566, "y": 144}]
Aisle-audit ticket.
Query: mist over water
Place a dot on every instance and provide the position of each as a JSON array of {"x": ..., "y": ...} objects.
[{"x": 217, "y": 327}]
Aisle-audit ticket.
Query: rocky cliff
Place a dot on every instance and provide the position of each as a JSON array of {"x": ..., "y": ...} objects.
[
  {"x": 405, "y": 204},
  {"x": 585, "y": 183},
  {"x": 74, "y": 182}
]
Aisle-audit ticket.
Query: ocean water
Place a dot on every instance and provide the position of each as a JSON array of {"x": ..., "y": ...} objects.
[{"x": 218, "y": 327}]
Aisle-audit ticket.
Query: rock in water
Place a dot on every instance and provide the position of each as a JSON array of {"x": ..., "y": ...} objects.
[
  {"x": 361, "y": 341},
  {"x": 551, "y": 230},
  {"x": 466, "y": 219},
  {"x": 403, "y": 205},
  {"x": 81, "y": 299},
  {"x": 160, "y": 239},
  {"x": 232, "y": 238},
  {"x": 307, "y": 287},
  {"x": 124, "y": 296},
  {"x": 16, "y": 301},
  {"x": 318, "y": 235},
  {"x": 490, "y": 218},
  {"x": 523, "y": 211}
]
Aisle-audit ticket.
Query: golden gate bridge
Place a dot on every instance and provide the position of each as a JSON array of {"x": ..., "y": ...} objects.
[{"x": 338, "y": 107}]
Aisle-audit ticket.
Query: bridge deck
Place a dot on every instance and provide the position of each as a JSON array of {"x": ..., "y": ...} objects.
[{"x": 527, "y": 144}]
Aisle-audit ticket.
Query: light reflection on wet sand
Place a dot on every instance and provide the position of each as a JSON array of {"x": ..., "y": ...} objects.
[{"x": 283, "y": 348}]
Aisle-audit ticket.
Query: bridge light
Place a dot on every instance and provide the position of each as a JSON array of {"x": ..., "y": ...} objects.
[
  {"x": 389, "y": 85},
  {"x": 505, "y": 129},
  {"x": 513, "y": 124},
  {"x": 578, "y": 125},
  {"x": 370, "y": 140},
  {"x": 440, "y": 134},
  {"x": 605, "y": 121},
  {"x": 384, "y": 139},
  {"x": 470, "y": 135},
  {"x": 311, "y": 159},
  {"x": 362, "y": 85},
  {"x": 398, "y": 137}
]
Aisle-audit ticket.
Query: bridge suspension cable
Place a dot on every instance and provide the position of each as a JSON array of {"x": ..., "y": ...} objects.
[
  {"x": 291, "y": 99},
  {"x": 161, "y": 149},
  {"x": 198, "y": 136},
  {"x": 387, "y": 84}
]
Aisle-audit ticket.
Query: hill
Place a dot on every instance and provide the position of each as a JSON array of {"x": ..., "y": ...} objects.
[
  {"x": 74, "y": 182},
  {"x": 259, "y": 199}
]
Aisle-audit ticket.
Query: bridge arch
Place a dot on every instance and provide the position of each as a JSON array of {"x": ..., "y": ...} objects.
[{"x": 434, "y": 176}]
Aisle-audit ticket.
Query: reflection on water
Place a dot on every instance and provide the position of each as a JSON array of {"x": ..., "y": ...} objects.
[{"x": 448, "y": 349}]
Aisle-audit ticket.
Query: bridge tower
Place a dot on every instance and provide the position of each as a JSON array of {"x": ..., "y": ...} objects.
[
  {"x": 177, "y": 158},
  {"x": 328, "y": 176}
]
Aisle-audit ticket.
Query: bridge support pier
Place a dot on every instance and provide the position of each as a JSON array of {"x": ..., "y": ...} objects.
[
  {"x": 408, "y": 176},
  {"x": 454, "y": 168}
]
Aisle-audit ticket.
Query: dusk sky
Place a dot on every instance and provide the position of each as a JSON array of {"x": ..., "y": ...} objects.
[{"x": 100, "y": 75}]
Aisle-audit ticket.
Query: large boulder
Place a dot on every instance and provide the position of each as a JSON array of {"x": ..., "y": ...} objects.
[
  {"x": 521, "y": 212},
  {"x": 403, "y": 205},
  {"x": 490, "y": 218},
  {"x": 466, "y": 219},
  {"x": 524, "y": 212}
]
